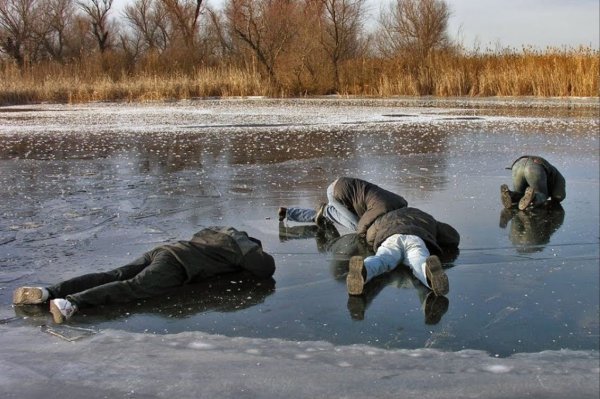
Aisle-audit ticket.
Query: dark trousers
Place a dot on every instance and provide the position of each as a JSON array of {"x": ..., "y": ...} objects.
[
  {"x": 527, "y": 173},
  {"x": 154, "y": 273}
]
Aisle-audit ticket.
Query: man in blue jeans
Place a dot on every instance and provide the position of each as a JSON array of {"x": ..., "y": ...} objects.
[
  {"x": 406, "y": 236},
  {"x": 211, "y": 251},
  {"x": 535, "y": 183},
  {"x": 351, "y": 202}
]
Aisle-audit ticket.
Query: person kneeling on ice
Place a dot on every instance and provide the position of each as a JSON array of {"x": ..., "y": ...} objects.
[
  {"x": 211, "y": 251},
  {"x": 535, "y": 183},
  {"x": 408, "y": 236}
]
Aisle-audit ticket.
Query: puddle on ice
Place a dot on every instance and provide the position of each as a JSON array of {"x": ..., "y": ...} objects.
[{"x": 91, "y": 188}]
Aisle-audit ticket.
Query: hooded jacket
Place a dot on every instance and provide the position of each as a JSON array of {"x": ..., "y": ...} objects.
[
  {"x": 366, "y": 200},
  {"x": 554, "y": 179},
  {"x": 220, "y": 249},
  {"x": 413, "y": 221}
]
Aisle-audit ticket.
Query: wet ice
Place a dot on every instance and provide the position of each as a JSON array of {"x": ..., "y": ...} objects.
[{"x": 90, "y": 187}]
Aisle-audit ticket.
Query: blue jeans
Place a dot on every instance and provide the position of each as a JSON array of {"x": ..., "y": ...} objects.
[
  {"x": 335, "y": 212},
  {"x": 396, "y": 249}
]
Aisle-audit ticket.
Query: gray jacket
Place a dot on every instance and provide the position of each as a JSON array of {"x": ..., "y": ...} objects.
[
  {"x": 366, "y": 200},
  {"x": 413, "y": 221},
  {"x": 221, "y": 249}
]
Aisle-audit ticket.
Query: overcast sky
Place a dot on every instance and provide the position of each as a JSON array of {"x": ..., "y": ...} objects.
[{"x": 493, "y": 24}]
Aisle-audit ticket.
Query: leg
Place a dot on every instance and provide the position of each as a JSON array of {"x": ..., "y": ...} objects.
[
  {"x": 337, "y": 212},
  {"x": 37, "y": 295},
  {"x": 87, "y": 281},
  {"x": 518, "y": 179},
  {"x": 301, "y": 215},
  {"x": 537, "y": 180},
  {"x": 426, "y": 268},
  {"x": 159, "y": 277}
]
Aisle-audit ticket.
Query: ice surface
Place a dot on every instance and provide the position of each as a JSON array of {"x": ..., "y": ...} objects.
[{"x": 89, "y": 187}]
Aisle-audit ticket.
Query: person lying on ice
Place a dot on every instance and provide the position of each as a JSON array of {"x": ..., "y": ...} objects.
[
  {"x": 210, "y": 252},
  {"x": 351, "y": 202},
  {"x": 406, "y": 236}
]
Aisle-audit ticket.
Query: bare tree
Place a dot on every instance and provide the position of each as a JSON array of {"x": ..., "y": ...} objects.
[
  {"x": 341, "y": 28},
  {"x": 416, "y": 26},
  {"x": 54, "y": 28},
  {"x": 148, "y": 20},
  {"x": 97, "y": 13},
  {"x": 267, "y": 27},
  {"x": 184, "y": 16},
  {"x": 16, "y": 27}
]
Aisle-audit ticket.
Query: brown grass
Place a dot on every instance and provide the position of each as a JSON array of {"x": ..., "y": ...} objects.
[{"x": 549, "y": 73}]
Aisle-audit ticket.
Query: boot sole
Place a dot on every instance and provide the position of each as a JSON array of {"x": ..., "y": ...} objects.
[
  {"x": 355, "y": 281},
  {"x": 505, "y": 196},
  {"x": 438, "y": 279},
  {"x": 27, "y": 296},
  {"x": 527, "y": 199}
]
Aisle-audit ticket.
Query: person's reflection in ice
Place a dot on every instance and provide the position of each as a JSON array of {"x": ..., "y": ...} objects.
[
  {"x": 531, "y": 231},
  {"x": 342, "y": 248}
]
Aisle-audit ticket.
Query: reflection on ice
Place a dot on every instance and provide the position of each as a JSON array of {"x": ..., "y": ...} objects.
[{"x": 85, "y": 187}]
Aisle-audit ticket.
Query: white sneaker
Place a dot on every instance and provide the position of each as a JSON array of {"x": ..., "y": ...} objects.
[
  {"x": 62, "y": 310},
  {"x": 30, "y": 295}
]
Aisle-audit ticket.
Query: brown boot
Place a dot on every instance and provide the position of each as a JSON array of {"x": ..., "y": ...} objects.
[
  {"x": 527, "y": 199},
  {"x": 436, "y": 276},
  {"x": 505, "y": 196},
  {"x": 357, "y": 274},
  {"x": 282, "y": 213}
]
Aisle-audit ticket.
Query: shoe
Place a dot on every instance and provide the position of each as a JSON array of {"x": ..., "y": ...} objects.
[
  {"x": 505, "y": 196},
  {"x": 320, "y": 218},
  {"x": 436, "y": 276},
  {"x": 62, "y": 310},
  {"x": 527, "y": 198},
  {"x": 357, "y": 274},
  {"x": 435, "y": 307},
  {"x": 282, "y": 212},
  {"x": 30, "y": 295}
]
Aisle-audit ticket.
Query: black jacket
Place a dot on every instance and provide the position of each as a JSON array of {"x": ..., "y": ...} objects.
[
  {"x": 220, "y": 249},
  {"x": 413, "y": 221},
  {"x": 366, "y": 200}
]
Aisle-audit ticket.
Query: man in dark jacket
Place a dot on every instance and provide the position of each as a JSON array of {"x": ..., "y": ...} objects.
[
  {"x": 535, "y": 181},
  {"x": 353, "y": 203},
  {"x": 211, "y": 251},
  {"x": 409, "y": 236}
]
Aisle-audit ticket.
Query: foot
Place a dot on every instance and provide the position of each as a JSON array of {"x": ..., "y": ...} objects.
[
  {"x": 30, "y": 295},
  {"x": 505, "y": 196},
  {"x": 281, "y": 213},
  {"x": 320, "y": 218},
  {"x": 436, "y": 276},
  {"x": 435, "y": 307},
  {"x": 357, "y": 275},
  {"x": 527, "y": 198},
  {"x": 62, "y": 310}
]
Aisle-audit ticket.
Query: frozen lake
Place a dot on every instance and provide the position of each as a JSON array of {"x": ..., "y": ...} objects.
[{"x": 91, "y": 187}]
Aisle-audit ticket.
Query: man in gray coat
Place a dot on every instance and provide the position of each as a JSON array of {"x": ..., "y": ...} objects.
[
  {"x": 210, "y": 252},
  {"x": 351, "y": 202},
  {"x": 535, "y": 182},
  {"x": 409, "y": 236}
]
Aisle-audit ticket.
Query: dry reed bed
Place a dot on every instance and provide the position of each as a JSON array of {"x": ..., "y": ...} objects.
[{"x": 544, "y": 74}]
